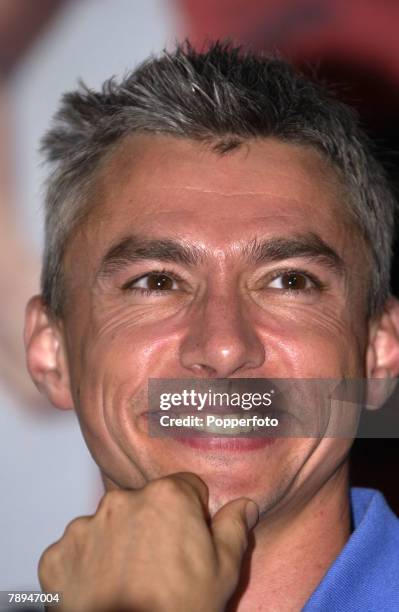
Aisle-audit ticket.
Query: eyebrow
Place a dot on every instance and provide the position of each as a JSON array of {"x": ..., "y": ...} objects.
[
  {"x": 131, "y": 249},
  {"x": 309, "y": 245}
]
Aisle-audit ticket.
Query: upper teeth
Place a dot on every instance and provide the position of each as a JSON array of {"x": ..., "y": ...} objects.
[{"x": 223, "y": 425}]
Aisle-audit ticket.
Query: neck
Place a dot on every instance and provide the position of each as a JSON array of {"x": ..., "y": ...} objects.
[{"x": 286, "y": 562}]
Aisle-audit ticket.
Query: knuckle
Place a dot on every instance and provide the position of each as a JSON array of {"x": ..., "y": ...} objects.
[
  {"x": 76, "y": 527},
  {"x": 47, "y": 562},
  {"x": 45, "y": 558},
  {"x": 112, "y": 500},
  {"x": 164, "y": 488},
  {"x": 194, "y": 488}
]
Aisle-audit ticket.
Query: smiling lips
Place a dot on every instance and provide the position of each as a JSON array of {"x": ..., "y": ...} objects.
[
  {"x": 221, "y": 430},
  {"x": 226, "y": 443}
]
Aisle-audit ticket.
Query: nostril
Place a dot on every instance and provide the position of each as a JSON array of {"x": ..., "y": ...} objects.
[{"x": 204, "y": 370}]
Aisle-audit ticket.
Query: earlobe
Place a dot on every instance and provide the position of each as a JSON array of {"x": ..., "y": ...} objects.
[{"x": 45, "y": 354}]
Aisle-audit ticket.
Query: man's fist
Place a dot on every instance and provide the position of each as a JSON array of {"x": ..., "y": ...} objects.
[{"x": 151, "y": 550}]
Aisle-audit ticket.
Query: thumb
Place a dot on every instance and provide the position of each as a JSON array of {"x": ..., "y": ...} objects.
[{"x": 230, "y": 527}]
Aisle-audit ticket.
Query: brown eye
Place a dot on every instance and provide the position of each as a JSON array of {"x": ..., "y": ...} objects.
[
  {"x": 159, "y": 282},
  {"x": 292, "y": 281},
  {"x": 154, "y": 281}
]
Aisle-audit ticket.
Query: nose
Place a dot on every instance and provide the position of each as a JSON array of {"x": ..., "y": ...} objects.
[{"x": 221, "y": 340}]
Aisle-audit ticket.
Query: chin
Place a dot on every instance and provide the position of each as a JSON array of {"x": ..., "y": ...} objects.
[{"x": 266, "y": 493}]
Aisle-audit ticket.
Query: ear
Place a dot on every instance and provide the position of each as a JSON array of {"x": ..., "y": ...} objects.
[
  {"x": 46, "y": 355},
  {"x": 383, "y": 353}
]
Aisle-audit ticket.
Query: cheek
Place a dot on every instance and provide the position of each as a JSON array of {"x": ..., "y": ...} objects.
[
  {"x": 111, "y": 366},
  {"x": 311, "y": 343},
  {"x": 118, "y": 353}
]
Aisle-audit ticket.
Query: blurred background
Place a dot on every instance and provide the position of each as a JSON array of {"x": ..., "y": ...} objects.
[{"x": 47, "y": 476}]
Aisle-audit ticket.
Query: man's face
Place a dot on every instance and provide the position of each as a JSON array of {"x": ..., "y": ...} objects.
[{"x": 211, "y": 305}]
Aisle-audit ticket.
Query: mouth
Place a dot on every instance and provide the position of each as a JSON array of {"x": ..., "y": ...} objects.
[
  {"x": 215, "y": 431},
  {"x": 225, "y": 443},
  {"x": 269, "y": 414}
]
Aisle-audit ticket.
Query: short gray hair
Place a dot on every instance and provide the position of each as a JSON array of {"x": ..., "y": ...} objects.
[{"x": 222, "y": 96}]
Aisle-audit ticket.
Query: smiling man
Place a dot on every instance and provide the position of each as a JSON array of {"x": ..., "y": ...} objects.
[{"x": 214, "y": 216}]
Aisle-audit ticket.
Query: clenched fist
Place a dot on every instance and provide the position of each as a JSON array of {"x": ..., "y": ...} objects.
[{"x": 151, "y": 550}]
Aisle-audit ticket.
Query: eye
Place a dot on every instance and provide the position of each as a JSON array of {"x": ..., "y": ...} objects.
[
  {"x": 293, "y": 281},
  {"x": 153, "y": 281}
]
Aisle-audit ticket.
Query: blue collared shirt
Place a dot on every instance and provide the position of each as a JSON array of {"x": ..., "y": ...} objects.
[{"x": 365, "y": 575}]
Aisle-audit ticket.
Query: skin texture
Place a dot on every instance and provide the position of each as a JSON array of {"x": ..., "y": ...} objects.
[{"x": 225, "y": 317}]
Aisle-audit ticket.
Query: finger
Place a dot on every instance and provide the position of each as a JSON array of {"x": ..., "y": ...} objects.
[
  {"x": 230, "y": 527},
  {"x": 195, "y": 485}
]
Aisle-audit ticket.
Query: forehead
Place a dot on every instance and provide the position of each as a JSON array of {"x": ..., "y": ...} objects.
[
  {"x": 165, "y": 178},
  {"x": 159, "y": 186}
]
